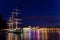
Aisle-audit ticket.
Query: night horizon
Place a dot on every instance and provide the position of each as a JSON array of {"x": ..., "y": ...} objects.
[{"x": 33, "y": 12}]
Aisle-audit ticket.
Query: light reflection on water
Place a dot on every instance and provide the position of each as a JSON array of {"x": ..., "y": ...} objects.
[
  {"x": 12, "y": 36},
  {"x": 43, "y": 35}
]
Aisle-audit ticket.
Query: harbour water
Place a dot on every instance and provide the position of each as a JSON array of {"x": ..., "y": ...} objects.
[
  {"x": 33, "y": 34},
  {"x": 12, "y": 36}
]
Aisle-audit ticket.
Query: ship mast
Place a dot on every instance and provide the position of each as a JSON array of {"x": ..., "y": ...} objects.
[
  {"x": 14, "y": 20},
  {"x": 17, "y": 18}
]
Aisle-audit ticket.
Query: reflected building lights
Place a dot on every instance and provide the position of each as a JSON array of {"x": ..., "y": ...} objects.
[{"x": 36, "y": 34}]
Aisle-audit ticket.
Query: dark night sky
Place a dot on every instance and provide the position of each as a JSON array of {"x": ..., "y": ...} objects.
[{"x": 43, "y": 12}]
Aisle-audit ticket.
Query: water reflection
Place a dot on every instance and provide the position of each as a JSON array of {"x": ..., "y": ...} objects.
[
  {"x": 33, "y": 34},
  {"x": 12, "y": 36}
]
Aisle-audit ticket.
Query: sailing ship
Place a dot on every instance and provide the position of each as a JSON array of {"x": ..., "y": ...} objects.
[{"x": 13, "y": 21}]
